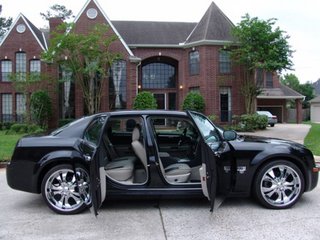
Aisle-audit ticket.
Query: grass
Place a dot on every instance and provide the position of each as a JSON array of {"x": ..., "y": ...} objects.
[
  {"x": 312, "y": 140},
  {"x": 7, "y": 144}
]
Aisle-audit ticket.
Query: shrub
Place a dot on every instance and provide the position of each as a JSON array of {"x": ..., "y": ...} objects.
[
  {"x": 65, "y": 121},
  {"x": 213, "y": 117},
  {"x": 251, "y": 122},
  {"x": 40, "y": 108},
  {"x": 144, "y": 100},
  {"x": 194, "y": 101},
  {"x": 21, "y": 128}
]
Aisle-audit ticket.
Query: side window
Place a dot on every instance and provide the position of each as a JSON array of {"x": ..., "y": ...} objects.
[{"x": 92, "y": 133}]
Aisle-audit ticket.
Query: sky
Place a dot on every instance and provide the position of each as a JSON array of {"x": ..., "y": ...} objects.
[{"x": 299, "y": 19}]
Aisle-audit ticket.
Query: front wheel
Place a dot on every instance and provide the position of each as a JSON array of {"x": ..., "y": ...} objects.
[
  {"x": 64, "y": 191},
  {"x": 279, "y": 184}
]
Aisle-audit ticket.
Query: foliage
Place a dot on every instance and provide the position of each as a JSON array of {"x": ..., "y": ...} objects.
[
  {"x": 213, "y": 117},
  {"x": 194, "y": 101},
  {"x": 65, "y": 121},
  {"x": 5, "y": 24},
  {"x": 57, "y": 10},
  {"x": 249, "y": 122},
  {"x": 260, "y": 46},
  {"x": 305, "y": 89},
  {"x": 88, "y": 57},
  {"x": 41, "y": 109},
  {"x": 144, "y": 100},
  {"x": 22, "y": 128}
]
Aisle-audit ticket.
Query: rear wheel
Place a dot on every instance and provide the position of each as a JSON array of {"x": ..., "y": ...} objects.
[
  {"x": 64, "y": 191},
  {"x": 279, "y": 184}
]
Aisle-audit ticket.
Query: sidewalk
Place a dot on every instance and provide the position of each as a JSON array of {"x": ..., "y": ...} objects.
[{"x": 293, "y": 132}]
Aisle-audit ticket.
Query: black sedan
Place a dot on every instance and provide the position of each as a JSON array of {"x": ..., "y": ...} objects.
[{"x": 157, "y": 153}]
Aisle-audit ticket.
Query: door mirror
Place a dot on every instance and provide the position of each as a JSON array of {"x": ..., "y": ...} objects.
[{"x": 230, "y": 135}]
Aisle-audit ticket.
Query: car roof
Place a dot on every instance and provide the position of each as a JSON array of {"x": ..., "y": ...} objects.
[{"x": 145, "y": 112}]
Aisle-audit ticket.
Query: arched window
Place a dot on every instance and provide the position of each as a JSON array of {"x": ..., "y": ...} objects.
[
  {"x": 35, "y": 67},
  {"x": 158, "y": 75}
]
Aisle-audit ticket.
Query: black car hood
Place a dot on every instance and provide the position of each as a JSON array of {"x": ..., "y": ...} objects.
[{"x": 268, "y": 140}]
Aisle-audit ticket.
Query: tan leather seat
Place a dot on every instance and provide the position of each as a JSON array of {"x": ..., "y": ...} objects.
[
  {"x": 121, "y": 170},
  {"x": 138, "y": 147}
]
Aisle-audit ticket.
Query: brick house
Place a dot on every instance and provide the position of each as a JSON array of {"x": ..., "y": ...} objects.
[{"x": 168, "y": 59}]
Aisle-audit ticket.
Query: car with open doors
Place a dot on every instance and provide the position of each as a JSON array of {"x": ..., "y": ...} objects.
[{"x": 157, "y": 153}]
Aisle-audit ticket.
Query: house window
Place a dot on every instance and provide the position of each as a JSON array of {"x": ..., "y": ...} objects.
[
  {"x": 118, "y": 85},
  {"x": 66, "y": 94},
  {"x": 194, "y": 63},
  {"x": 269, "y": 80},
  {"x": 6, "y": 70},
  {"x": 7, "y": 108},
  {"x": 21, "y": 66},
  {"x": 225, "y": 104},
  {"x": 35, "y": 68},
  {"x": 20, "y": 106},
  {"x": 224, "y": 62},
  {"x": 259, "y": 77},
  {"x": 158, "y": 75},
  {"x": 194, "y": 89}
]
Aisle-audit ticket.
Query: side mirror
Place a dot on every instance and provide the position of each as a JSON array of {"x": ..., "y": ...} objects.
[{"x": 230, "y": 135}]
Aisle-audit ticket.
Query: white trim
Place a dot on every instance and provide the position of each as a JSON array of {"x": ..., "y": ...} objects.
[
  {"x": 27, "y": 24},
  {"x": 280, "y": 97},
  {"x": 108, "y": 21}
]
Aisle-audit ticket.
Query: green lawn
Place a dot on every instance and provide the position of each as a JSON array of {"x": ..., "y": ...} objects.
[
  {"x": 312, "y": 140},
  {"x": 7, "y": 144}
]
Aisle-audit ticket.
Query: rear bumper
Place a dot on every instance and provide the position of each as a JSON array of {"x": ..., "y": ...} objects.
[{"x": 21, "y": 176}]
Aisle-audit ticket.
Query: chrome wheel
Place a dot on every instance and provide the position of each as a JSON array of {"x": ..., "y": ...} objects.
[
  {"x": 66, "y": 192},
  {"x": 281, "y": 185}
]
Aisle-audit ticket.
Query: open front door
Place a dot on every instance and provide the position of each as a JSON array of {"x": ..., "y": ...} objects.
[
  {"x": 208, "y": 174},
  {"x": 209, "y": 143},
  {"x": 93, "y": 139}
]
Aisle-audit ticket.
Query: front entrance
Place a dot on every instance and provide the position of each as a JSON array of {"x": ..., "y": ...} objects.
[
  {"x": 166, "y": 100},
  {"x": 159, "y": 76}
]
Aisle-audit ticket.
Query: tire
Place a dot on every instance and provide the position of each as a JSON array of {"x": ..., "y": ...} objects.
[
  {"x": 60, "y": 189},
  {"x": 279, "y": 185},
  {"x": 272, "y": 124}
]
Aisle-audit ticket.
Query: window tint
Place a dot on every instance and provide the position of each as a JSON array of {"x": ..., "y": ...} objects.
[{"x": 92, "y": 133}]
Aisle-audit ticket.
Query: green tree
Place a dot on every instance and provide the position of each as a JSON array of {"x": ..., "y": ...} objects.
[
  {"x": 259, "y": 46},
  {"x": 144, "y": 101},
  {"x": 194, "y": 101},
  {"x": 305, "y": 89},
  {"x": 87, "y": 56},
  {"x": 57, "y": 11},
  {"x": 291, "y": 81},
  {"x": 41, "y": 108},
  {"x": 5, "y": 24}
]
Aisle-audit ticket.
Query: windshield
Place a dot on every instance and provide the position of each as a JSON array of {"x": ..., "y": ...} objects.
[{"x": 206, "y": 128}]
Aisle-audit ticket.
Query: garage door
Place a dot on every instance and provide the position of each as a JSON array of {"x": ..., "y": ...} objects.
[{"x": 315, "y": 112}]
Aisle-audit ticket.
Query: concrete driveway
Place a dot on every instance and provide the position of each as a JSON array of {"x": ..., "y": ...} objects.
[{"x": 25, "y": 216}]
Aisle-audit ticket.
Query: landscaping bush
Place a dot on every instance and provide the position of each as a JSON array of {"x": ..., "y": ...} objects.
[
  {"x": 144, "y": 100},
  {"x": 65, "y": 121},
  {"x": 22, "y": 128},
  {"x": 194, "y": 101},
  {"x": 40, "y": 108}
]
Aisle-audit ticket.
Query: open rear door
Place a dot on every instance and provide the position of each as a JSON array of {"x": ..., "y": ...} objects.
[
  {"x": 209, "y": 141},
  {"x": 97, "y": 161}
]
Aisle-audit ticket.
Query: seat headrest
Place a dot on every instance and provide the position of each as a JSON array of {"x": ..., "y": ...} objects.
[{"x": 136, "y": 133}]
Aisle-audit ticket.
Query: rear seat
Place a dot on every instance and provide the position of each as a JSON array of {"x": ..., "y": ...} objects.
[{"x": 120, "y": 170}]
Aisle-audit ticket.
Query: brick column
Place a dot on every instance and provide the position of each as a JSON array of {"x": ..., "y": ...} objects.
[{"x": 299, "y": 110}]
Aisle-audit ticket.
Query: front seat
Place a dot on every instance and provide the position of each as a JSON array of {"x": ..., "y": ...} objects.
[{"x": 138, "y": 147}]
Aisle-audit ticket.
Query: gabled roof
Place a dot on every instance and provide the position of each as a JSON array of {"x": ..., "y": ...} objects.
[
  {"x": 136, "y": 33},
  {"x": 214, "y": 27},
  {"x": 39, "y": 36},
  {"x": 283, "y": 92},
  {"x": 108, "y": 22}
]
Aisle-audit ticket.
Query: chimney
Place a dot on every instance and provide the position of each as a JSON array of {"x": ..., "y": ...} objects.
[{"x": 54, "y": 23}]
